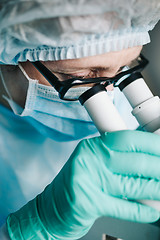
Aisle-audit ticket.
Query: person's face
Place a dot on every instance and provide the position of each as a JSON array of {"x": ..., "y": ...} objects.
[{"x": 105, "y": 65}]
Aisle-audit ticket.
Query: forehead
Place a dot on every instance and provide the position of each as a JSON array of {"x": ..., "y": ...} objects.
[{"x": 110, "y": 59}]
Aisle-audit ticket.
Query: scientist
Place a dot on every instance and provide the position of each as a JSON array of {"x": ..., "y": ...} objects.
[{"x": 46, "y": 192}]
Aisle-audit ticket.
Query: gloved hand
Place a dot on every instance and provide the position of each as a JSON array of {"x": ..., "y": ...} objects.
[{"x": 101, "y": 174}]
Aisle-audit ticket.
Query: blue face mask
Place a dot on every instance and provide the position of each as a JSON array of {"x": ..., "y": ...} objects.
[{"x": 55, "y": 118}]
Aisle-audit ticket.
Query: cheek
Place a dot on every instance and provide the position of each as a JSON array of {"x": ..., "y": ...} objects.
[{"x": 33, "y": 73}]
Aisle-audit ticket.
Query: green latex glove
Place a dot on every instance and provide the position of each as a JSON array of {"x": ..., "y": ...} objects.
[{"x": 100, "y": 174}]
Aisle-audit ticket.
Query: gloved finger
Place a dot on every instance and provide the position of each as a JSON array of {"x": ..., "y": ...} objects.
[
  {"x": 129, "y": 152},
  {"x": 135, "y": 164},
  {"x": 134, "y": 188},
  {"x": 133, "y": 141},
  {"x": 128, "y": 210},
  {"x": 132, "y": 152}
]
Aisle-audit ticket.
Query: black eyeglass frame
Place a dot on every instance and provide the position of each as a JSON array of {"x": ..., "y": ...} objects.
[{"x": 63, "y": 86}]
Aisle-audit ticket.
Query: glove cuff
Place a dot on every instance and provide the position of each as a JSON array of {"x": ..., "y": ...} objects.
[{"x": 26, "y": 223}]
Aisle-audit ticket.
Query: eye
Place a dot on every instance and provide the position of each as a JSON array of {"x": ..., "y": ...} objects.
[{"x": 64, "y": 76}]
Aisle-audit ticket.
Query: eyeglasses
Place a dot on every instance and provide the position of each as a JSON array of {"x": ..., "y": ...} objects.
[{"x": 62, "y": 87}]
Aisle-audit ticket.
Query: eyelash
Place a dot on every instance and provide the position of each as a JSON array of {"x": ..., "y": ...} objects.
[
  {"x": 68, "y": 76},
  {"x": 93, "y": 73}
]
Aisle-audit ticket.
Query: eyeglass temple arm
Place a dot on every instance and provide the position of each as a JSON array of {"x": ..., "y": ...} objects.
[{"x": 50, "y": 77}]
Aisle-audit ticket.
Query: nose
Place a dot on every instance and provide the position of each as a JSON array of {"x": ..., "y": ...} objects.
[{"x": 110, "y": 87}]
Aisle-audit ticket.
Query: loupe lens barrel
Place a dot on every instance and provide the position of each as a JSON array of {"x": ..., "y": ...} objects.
[
  {"x": 102, "y": 110},
  {"x": 146, "y": 106},
  {"x": 135, "y": 89}
]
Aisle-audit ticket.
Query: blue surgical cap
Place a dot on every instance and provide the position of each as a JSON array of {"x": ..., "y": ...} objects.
[{"x": 67, "y": 29}]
